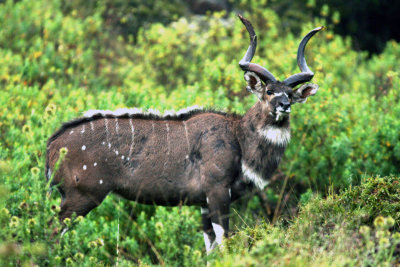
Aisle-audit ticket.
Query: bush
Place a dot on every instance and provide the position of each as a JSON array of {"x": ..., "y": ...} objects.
[
  {"x": 56, "y": 63},
  {"x": 359, "y": 226}
]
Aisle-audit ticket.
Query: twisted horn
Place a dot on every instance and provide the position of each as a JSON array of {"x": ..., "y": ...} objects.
[
  {"x": 306, "y": 74},
  {"x": 245, "y": 63}
]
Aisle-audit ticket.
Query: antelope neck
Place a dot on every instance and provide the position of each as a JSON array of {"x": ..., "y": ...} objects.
[{"x": 263, "y": 144}]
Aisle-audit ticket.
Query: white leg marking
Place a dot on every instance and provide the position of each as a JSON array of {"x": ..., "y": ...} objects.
[
  {"x": 133, "y": 137},
  {"x": 187, "y": 137},
  {"x": 207, "y": 242},
  {"x": 49, "y": 173},
  {"x": 204, "y": 210},
  {"x": 92, "y": 126},
  {"x": 219, "y": 233},
  {"x": 207, "y": 199},
  {"x": 275, "y": 135},
  {"x": 83, "y": 147},
  {"x": 253, "y": 177},
  {"x": 84, "y": 167},
  {"x": 230, "y": 193}
]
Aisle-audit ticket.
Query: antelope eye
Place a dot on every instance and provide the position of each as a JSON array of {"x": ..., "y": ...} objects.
[{"x": 269, "y": 92}]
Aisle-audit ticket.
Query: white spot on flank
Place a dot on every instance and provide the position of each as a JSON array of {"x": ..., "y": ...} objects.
[
  {"x": 83, "y": 147},
  {"x": 230, "y": 193},
  {"x": 83, "y": 129},
  {"x": 103, "y": 143},
  {"x": 204, "y": 210},
  {"x": 71, "y": 132},
  {"x": 91, "y": 126},
  {"x": 253, "y": 177},
  {"x": 187, "y": 156},
  {"x": 84, "y": 167},
  {"x": 95, "y": 164},
  {"x": 128, "y": 158},
  {"x": 122, "y": 157},
  {"x": 219, "y": 233},
  {"x": 101, "y": 182},
  {"x": 116, "y": 152},
  {"x": 275, "y": 135},
  {"x": 109, "y": 145}
]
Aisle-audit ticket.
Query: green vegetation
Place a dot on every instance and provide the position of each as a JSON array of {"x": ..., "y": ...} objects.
[{"x": 57, "y": 61}]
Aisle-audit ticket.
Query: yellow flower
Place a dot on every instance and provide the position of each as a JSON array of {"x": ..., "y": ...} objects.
[
  {"x": 379, "y": 222},
  {"x": 35, "y": 171}
]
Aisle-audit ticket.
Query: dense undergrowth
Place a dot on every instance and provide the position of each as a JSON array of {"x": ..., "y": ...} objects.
[{"x": 54, "y": 65}]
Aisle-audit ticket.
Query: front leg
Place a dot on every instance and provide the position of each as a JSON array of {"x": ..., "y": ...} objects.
[
  {"x": 218, "y": 201},
  {"x": 208, "y": 232}
]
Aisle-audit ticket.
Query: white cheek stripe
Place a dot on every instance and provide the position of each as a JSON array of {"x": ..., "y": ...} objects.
[
  {"x": 253, "y": 177},
  {"x": 276, "y": 136}
]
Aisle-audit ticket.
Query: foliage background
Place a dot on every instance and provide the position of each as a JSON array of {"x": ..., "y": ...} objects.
[{"x": 60, "y": 58}]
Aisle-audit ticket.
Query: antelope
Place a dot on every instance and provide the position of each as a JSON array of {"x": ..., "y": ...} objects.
[{"x": 195, "y": 156}]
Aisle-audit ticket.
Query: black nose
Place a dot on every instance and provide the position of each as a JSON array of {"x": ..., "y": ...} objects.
[{"x": 285, "y": 105}]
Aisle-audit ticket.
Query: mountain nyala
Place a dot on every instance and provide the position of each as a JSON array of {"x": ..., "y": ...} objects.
[{"x": 194, "y": 156}]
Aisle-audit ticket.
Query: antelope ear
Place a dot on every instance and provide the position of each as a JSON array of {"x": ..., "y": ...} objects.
[
  {"x": 254, "y": 84},
  {"x": 306, "y": 90}
]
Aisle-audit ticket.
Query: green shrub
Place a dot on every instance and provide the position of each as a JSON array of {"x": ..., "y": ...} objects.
[
  {"x": 56, "y": 63},
  {"x": 358, "y": 227}
]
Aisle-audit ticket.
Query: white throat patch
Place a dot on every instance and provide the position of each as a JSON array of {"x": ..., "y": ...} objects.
[
  {"x": 275, "y": 135},
  {"x": 253, "y": 177}
]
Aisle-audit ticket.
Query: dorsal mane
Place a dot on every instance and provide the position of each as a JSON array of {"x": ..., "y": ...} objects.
[{"x": 92, "y": 115}]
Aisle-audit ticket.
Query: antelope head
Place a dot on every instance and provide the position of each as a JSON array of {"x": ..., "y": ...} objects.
[{"x": 277, "y": 97}]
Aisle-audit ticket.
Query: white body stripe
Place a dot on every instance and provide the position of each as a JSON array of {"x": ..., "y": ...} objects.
[
  {"x": 276, "y": 136},
  {"x": 133, "y": 137},
  {"x": 253, "y": 177},
  {"x": 116, "y": 125}
]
